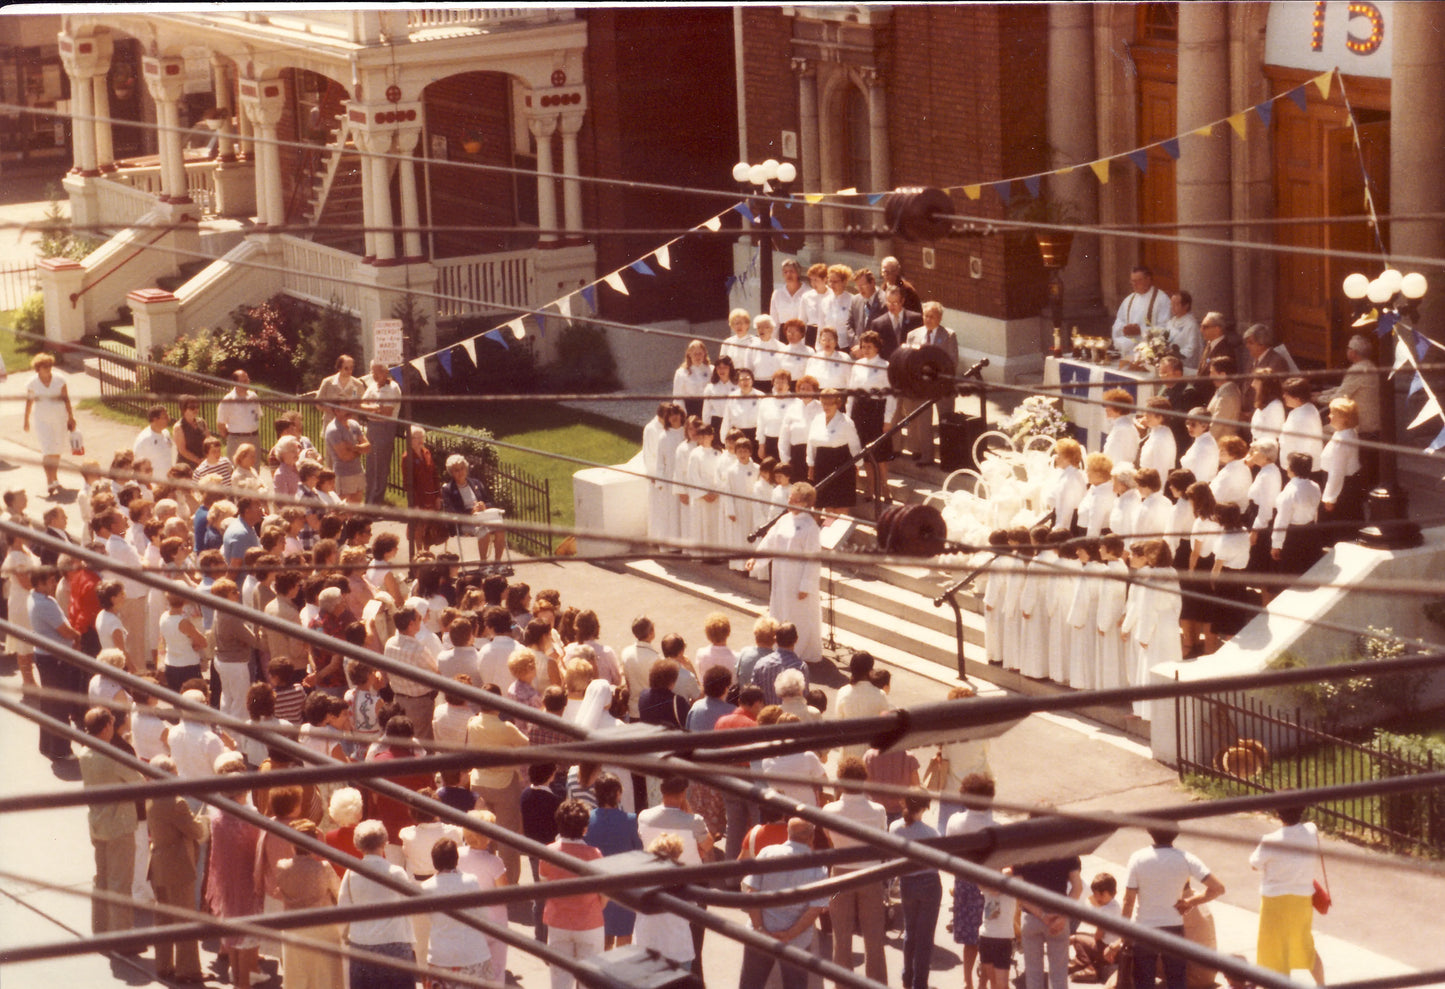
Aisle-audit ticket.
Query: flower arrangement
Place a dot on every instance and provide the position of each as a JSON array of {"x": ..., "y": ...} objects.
[
  {"x": 1153, "y": 348},
  {"x": 1038, "y": 415}
]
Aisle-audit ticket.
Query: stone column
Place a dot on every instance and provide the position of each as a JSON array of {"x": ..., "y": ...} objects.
[
  {"x": 1202, "y": 177},
  {"x": 263, "y": 101},
  {"x": 79, "y": 56},
  {"x": 1417, "y": 144},
  {"x": 543, "y": 126},
  {"x": 406, "y": 141},
  {"x": 1073, "y": 138},
  {"x": 878, "y": 171},
  {"x": 807, "y": 75},
  {"x": 226, "y": 104},
  {"x": 570, "y": 123},
  {"x": 368, "y": 212},
  {"x": 165, "y": 78},
  {"x": 375, "y": 143},
  {"x": 104, "y": 136},
  {"x": 245, "y": 147}
]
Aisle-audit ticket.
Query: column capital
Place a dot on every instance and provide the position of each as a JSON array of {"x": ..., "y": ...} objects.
[
  {"x": 365, "y": 115},
  {"x": 263, "y": 99},
  {"x": 803, "y": 66},
  {"x": 557, "y": 99},
  {"x": 542, "y": 125},
  {"x": 571, "y": 122},
  {"x": 165, "y": 77},
  {"x": 84, "y": 56}
]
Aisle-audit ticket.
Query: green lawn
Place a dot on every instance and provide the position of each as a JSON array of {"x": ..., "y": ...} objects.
[{"x": 16, "y": 352}]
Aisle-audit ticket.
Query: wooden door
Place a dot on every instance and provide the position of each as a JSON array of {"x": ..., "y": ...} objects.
[
  {"x": 1158, "y": 120},
  {"x": 1346, "y": 197},
  {"x": 1302, "y": 301}
]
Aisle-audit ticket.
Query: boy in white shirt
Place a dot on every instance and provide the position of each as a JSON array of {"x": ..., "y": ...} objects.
[{"x": 1096, "y": 954}]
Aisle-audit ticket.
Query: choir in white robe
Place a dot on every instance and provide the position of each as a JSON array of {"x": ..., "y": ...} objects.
[
  {"x": 1153, "y": 518},
  {"x": 1011, "y": 619},
  {"x": 1064, "y": 574},
  {"x": 1151, "y": 619},
  {"x": 1121, "y": 443},
  {"x": 704, "y": 462},
  {"x": 1094, "y": 509},
  {"x": 1231, "y": 484},
  {"x": 995, "y": 582},
  {"x": 739, "y": 479},
  {"x": 1034, "y": 604},
  {"x": 687, "y": 499},
  {"x": 765, "y": 505},
  {"x": 797, "y": 532},
  {"x": 1062, "y": 492},
  {"x": 1159, "y": 451},
  {"x": 1202, "y": 458},
  {"x": 1124, "y": 516},
  {"x": 1111, "y": 669},
  {"x": 1083, "y": 617},
  {"x": 662, "y": 503}
]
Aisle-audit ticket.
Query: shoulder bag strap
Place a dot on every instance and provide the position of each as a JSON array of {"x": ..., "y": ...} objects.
[{"x": 1319, "y": 849}]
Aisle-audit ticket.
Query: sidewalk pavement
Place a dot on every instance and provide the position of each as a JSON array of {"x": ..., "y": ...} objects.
[{"x": 1063, "y": 759}]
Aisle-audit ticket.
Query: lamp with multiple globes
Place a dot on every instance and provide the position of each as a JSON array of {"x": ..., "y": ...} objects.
[
  {"x": 1398, "y": 296},
  {"x": 764, "y": 180}
]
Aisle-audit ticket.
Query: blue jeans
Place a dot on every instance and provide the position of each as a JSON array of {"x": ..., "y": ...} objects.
[
  {"x": 1036, "y": 942},
  {"x": 922, "y": 894},
  {"x": 1146, "y": 964}
]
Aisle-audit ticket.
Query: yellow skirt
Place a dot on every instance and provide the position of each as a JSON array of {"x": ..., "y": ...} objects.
[{"x": 1285, "y": 940}]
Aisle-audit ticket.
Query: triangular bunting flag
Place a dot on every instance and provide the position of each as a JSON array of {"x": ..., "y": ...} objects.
[
  {"x": 746, "y": 212},
  {"x": 664, "y": 257},
  {"x": 1428, "y": 411},
  {"x": 564, "y": 307},
  {"x": 1004, "y": 190},
  {"x": 715, "y": 224},
  {"x": 1422, "y": 345},
  {"x": 812, "y": 198},
  {"x": 1236, "y": 120},
  {"x": 1387, "y": 323},
  {"x": 1101, "y": 170},
  {"x": 973, "y": 191},
  {"x": 1171, "y": 147},
  {"x": 470, "y": 345},
  {"x": 497, "y": 336},
  {"x": 444, "y": 357},
  {"x": 420, "y": 365},
  {"x": 1402, "y": 355},
  {"x": 1416, "y": 384},
  {"x": 1140, "y": 158},
  {"x": 728, "y": 284},
  {"x": 850, "y": 191},
  {"x": 518, "y": 328},
  {"x": 1436, "y": 443},
  {"x": 589, "y": 296},
  {"x": 396, "y": 375},
  {"x": 641, "y": 267},
  {"x": 615, "y": 280},
  {"x": 1265, "y": 111},
  {"x": 873, "y": 199},
  {"x": 1064, "y": 171},
  {"x": 1031, "y": 183},
  {"x": 1322, "y": 83},
  {"x": 777, "y": 223},
  {"x": 1206, "y": 131},
  {"x": 1299, "y": 96}
]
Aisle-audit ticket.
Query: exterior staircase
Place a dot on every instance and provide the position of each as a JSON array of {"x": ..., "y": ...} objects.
[
  {"x": 334, "y": 198},
  {"x": 884, "y": 609}
]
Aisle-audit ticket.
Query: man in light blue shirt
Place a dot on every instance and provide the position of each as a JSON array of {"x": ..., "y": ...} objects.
[
  {"x": 240, "y": 534},
  {"x": 792, "y": 924}
]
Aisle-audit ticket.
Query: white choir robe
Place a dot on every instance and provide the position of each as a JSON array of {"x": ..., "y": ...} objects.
[
  {"x": 1083, "y": 665},
  {"x": 797, "y": 533},
  {"x": 1159, "y": 451},
  {"x": 1121, "y": 442},
  {"x": 1012, "y": 619},
  {"x": 1094, "y": 509},
  {"x": 1124, "y": 516},
  {"x": 662, "y": 503},
  {"x": 765, "y": 506},
  {"x": 1110, "y": 650},
  {"x": 1059, "y": 589},
  {"x": 1062, "y": 492},
  {"x": 687, "y": 515},
  {"x": 705, "y": 461},
  {"x": 738, "y": 510},
  {"x": 1154, "y": 626},
  {"x": 995, "y": 583},
  {"x": 1034, "y": 602}
]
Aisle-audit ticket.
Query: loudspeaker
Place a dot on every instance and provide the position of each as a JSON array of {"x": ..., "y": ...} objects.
[{"x": 957, "y": 433}]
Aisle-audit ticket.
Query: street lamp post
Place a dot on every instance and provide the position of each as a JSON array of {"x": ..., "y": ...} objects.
[
  {"x": 1397, "y": 297},
  {"x": 764, "y": 179}
]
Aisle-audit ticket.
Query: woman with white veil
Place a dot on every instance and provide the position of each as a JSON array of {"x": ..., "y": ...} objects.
[{"x": 595, "y": 714}]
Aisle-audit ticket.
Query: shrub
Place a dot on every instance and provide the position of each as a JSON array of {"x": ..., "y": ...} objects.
[
  {"x": 584, "y": 360},
  {"x": 1420, "y": 814},
  {"x": 30, "y": 318},
  {"x": 500, "y": 368},
  {"x": 330, "y": 333}
]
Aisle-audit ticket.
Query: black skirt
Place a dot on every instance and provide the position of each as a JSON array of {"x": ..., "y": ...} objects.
[
  {"x": 1300, "y": 551},
  {"x": 1341, "y": 524},
  {"x": 1260, "y": 562},
  {"x": 868, "y": 420},
  {"x": 840, "y": 493},
  {"x": 1199, "y": 581},
  {"x": 770, "y": 447},
  {"x": 1231, "y": 592},
  {"x": 692, "y": 406}
]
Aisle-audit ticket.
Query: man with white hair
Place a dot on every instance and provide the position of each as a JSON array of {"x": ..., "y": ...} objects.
[
  {"x": 381, "y": 401},
  {"x": 919, "y": 432},
  {"x": 1362, "y": 384},
  {"x": 893, "y": 278}
]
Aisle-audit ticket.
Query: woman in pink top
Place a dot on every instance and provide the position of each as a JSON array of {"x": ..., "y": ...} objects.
[{"x": 575, "y": 922}]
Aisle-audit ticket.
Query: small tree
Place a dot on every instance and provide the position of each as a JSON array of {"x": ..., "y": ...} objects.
[{"x": 58, "y": 239}]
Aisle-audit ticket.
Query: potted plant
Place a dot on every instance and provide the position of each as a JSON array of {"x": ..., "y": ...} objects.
[{"x": 1054, "y": 245}]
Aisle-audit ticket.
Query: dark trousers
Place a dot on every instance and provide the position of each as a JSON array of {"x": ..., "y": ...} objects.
[
  {"x": 922, "y": 895},
  {"x": 741, "y": 816},
  {"x": 539, "y": 929},
  {"x": 1146, "y": 964},
  {"x": 56, "y": 674},
  {"x": 757, "y": 966}
]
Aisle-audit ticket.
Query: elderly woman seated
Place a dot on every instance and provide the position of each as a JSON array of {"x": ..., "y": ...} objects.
[{"x": 466, "y": 495}]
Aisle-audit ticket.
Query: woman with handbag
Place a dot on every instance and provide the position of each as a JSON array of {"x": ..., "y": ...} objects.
[{"x": 1289, "y": 895}]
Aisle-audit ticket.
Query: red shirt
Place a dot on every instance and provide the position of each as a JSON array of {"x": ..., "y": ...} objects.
[
  {"x": 581, "y": 911},
  {"x": 84, "y": 605},
  {"x": 738, "y": 719}
]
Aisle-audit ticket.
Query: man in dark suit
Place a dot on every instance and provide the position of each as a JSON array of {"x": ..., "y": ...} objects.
[
  {"x": 176, "y": 834},
  {"x": 1183, "y": 394},
  {"x": 55, "y": 521},
  {"x": 932, "y": 333},
  {"x": 868, "y": 303},
  {"x": 893, "y": 326},
  {"x": 893, "y": 278},
  {"x": 1263, "y": 356}
]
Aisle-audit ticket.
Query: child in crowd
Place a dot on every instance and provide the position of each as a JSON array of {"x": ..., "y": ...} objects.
[
  {"x": 290, "y": 695},
  {"x": 362, "y": 697},
  {"x": 1096, "y": 954},
  {"x": 996, "y": 937}
]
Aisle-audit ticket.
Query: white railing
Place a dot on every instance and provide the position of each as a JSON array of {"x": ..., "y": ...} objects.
[
  {"x": 319, "y": 273},
  {"x": 200, "y": 183},
  {"x": 212, "y": 293},
  {"x": 433, "y": 17},
  {"x": 468, "y": 284},
  {"x": 120, "y": 203}
]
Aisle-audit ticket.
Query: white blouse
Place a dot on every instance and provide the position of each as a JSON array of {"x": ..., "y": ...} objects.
[
  {"x": 741, "y": 411},
  {"x": 1204, "y": 535},
  {"x": 1264, "y": 492},
  {"x": 1266, "y": 423},
  {"x": 831, "y": 370},
  {"x": 786, "y": 305},
  {"x": 715, "y": 398},
  {"x": 1231, "y": 549},
  {"x": 832, "y": 433},
  {"x": 1303, "y": 433},
  {"x": 1124, "y": 518},
  {"x": 773, "y": 412},
  {"x": 870, "y": 373},
  {"x": 1340, "y": 459},
  {"x": 691, "y": 382},
  {"x": 1159, "y": 451},
  {"x": 1063, "y": 493},
  {"x": 741, "y": 349},
  {"x": 1231, "y": 484},
  {"x": 1202, "y": 458},
  {"x": 765, "y": 358},
  {"x": 1121, "y": 444},
  {"x": 1298, "y": 504},
  {"x": 795, "y": 428},
  {"x": 1094, "y": 509},
  {"x": 793, "y": 358}
]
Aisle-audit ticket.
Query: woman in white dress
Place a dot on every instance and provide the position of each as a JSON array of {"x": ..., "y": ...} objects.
[
  {"x": 829, "y": 365},
  {"x": 1065, "y": 488},
  {"x": 720, "y": 388},
  {"x": 691, "y": 378},
  {"x": 47, "y": 408},
  {"x": 662, "y": 503},
  {"x": 1151, "y": 616},
  {"x": 771, "y": 415},
  {"x": 1015, "y": 579}
]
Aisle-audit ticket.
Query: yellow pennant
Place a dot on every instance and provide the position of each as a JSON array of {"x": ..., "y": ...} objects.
[
  {"x": 1206, "y": 131},
  {"x": 1101, "y": 170},
  {"x": 1237, "y": 122},
  {"x": 812, "y": 198},
  {"x": 973, "y": 191},
  {"x": 1063, "y": 171},
  {"x": 1323, "y": 81}
]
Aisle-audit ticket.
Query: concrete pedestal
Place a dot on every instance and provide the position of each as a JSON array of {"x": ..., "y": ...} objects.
[
  {"x": 610, "y": 501},
  {"x": 156, "y": 316},
  {"x": 61, "y": 280}
]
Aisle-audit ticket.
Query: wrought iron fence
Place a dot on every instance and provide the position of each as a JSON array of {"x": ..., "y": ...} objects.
[
  {"x": 1241, "y": 745},
  {"x": 524, "y": 497},
  {"x": 17, "y": 283}
]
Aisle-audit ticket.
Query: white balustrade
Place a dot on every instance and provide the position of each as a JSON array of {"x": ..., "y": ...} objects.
[
  {"x": 469, "y": 284},
  {"x": 319, "y": 273}
]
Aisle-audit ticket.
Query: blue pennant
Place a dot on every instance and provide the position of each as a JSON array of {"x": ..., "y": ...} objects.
[
  {"x": 1422, "y": 346},
  {"x": 1032, "y": 185},
  {"x": 728, "y": 283},
  {"x": 873, "y": 199},
  {"x": 497, "y": 336},
  {"x": 396, "y": 375},
  {"x": 444, "y": 357},
  {"x": 589, "y": 295},
  {"x": 777, "y": 224},
  {"x": 1265, "y": 111},
  {"x": 1171, "y": 147},
  {"x": 746, "y": 212},
  {"x": 1004, "y": 190},
  {"x": 641, "y": 267},
  {"x": 1140, "y": 158},
  {"x": 1437, "y": 442},
  {"x": 1386, "y": 324},
  {"x": 1299, "y": 96},
  {"x": 788, "y": 204},
  {"x": 1416, "y": 384}
]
